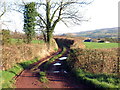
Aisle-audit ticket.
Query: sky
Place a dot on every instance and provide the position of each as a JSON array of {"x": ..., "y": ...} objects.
[{"x": 100, "y": 14}]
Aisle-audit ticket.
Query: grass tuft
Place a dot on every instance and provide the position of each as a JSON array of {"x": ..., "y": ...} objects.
[{"x": 43, "y": 77}]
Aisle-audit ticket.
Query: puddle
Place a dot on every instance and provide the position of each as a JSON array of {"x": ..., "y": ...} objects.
[
  {"x": 59, "y": 71},
  {"x": 57, "y": 64},
  {"x": 65, "y": 72},
  {"x": 62, "y": 58},
  {"x": 56, "y": 71}
]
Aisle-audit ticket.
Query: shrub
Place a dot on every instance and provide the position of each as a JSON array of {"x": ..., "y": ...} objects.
[{"x": 6, "y": 36}]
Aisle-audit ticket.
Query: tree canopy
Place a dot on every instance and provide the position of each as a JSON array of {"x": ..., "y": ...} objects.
[{"x": 53, "y": 11}]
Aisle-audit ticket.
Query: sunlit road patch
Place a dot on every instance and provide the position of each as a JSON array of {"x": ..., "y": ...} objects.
[
  {"x": 62, "y": 58},
  {"x": 56, "y": 71},
  {"x": 57, "y": 64}
]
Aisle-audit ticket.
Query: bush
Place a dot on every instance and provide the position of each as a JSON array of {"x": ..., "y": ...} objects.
[{"x": 5, "y": 37}]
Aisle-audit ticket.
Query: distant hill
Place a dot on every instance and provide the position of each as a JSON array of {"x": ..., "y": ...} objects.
[{"x": 98, "y": 33}]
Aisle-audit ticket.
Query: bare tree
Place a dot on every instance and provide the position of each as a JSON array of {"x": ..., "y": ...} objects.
[
  {"x": 53, "y": 11},
  {"x": 2, "y": 8},
  {"x": 4, "y": 11}
]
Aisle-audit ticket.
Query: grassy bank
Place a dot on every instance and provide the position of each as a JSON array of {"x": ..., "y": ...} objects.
[
  {"x": 96, "y": 68},
  {"x": 97, "y": 80},
  {"x": 95, "y": 45},
  {"x": 17, "y": 53},
  {"x": 17, "y": 56},
  {"x": 6, "y": 77}
]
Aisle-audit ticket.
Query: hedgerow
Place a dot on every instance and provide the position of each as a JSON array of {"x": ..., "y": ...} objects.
[{"x": 96, "y": 68}]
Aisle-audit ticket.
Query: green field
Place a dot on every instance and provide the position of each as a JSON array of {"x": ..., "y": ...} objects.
[
  {"x": 95, "y": 45},
  {"x": 15, "y": 41}
]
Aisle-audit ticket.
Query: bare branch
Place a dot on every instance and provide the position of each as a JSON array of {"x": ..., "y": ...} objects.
[
  {"x": 18, "y": 11},
  {"x": 54, "y": 13},
  {"x": 64, "y": 23},
  {"x": 42, "y": 19},
  {"x": 58, "y": 19},
  {"x": 60, "y": 10},
  {"x": 3, "y": 10},
  {"x": 40, "y": 4}
]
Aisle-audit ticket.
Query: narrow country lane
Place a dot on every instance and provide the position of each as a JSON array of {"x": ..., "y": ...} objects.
[{"x": 57, "y": 75}]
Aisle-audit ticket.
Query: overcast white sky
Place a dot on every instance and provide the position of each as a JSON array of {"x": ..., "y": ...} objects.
[{"x": 101, "y": 14}]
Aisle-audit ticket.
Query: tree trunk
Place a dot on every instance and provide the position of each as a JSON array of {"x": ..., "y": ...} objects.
[
  {"x": 44, "y": 36},
  {"x": 49, "y": 36}
]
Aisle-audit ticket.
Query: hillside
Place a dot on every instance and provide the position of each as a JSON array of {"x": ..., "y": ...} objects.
[{"x": 98, "y": 33}]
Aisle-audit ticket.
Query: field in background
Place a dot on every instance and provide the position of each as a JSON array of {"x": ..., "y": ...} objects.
[
  {"x": 15, "y": 41},
  {"x": 95, "y": 45}
]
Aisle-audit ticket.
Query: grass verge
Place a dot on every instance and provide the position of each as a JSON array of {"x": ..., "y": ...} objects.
[
  {"x": 6, "y": 77},
  {"x": 97, "y": 80}
]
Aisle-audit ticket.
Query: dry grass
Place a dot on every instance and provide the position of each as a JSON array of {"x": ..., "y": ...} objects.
[
  {"x": 12, "y": 54},
  {"x": 95, "y": 61}
]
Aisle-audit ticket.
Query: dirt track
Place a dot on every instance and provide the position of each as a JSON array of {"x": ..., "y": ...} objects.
[{"x": 29, "y": 79}]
